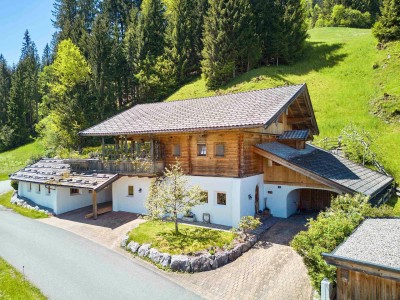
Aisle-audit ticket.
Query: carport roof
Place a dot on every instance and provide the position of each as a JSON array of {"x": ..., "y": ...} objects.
[
  {"x": 328, "y": 168},
  {"x": 57, "y": 172}
]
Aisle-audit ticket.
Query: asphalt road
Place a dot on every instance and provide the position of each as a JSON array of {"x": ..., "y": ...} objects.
[
  {"x": 66, "y": 266},
  {"x": 5, "y": 186}
]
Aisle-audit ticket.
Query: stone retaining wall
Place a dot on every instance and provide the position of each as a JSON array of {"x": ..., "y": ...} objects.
[{"x": 186, "y": 263}]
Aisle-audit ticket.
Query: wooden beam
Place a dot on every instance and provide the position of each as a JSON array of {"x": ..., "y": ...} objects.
[
  {"x": 94, "y": 201},
  {"x": 293, "y": 120}
]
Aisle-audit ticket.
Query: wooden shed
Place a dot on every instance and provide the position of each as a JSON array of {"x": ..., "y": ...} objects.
[{"x": 368, "y": 262}]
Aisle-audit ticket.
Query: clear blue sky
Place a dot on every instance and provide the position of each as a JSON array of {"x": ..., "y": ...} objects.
[{"x": 18, "y": 15}]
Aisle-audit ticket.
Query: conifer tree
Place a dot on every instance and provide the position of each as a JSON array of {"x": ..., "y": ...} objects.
[
  {"x": 183, "y": 38},
  {"x": 230, "y": 45},
  {"x": 5, "y": 85},
  {"x": 47, "y": 58},
  {"x": 387, "y": 28}
]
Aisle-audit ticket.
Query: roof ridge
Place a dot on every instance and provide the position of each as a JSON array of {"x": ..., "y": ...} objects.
[{"x": 228, "y": 94}]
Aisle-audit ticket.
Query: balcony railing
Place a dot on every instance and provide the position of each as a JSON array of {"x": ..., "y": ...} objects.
[{"x": 133, "y": 167}]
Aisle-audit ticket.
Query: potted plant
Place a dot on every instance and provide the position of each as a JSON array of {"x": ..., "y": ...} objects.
[{"x": 189, "y": 216}]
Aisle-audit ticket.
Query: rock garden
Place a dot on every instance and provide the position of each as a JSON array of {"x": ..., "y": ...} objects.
[{"x": 193, "y": 249}]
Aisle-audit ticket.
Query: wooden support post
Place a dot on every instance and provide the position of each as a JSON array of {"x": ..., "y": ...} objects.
[
  {"x": 152, "y": 149},
  {"x": 102, "y": 147},
  {"x": 94, "y": 200}
]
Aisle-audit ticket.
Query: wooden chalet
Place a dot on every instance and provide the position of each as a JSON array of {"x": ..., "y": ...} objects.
[{"x": 249, "y": 151}]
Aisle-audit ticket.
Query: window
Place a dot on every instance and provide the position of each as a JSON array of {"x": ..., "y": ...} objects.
[
  {"x": 220, "y": 150},
  {"x": 204, "y": 195},
  {"x": 130, "y": 190},
  {"x": 176, "y": 150},
  {"x": 29, "y": 186},
  {"x": 73, "y": 191},
  {"x": 38, "y": 189},
  {"x": 201, "y": 150},
  {"x": 221, "y": 198}
]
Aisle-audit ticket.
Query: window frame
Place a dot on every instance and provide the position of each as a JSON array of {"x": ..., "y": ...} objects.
[
  {"x": 207, "y": 199},
  {"x": 173, "y": 150},
  {"x": 29, "y": 186},
  {"x": 200, "y": 150},
  {"x": 71, "y": 193},
  {"x": 38, "y": 189},
  {"x": 133, "y": 190},
  {"x": 226, "y": 201},
  {"x": 48, "y": 190},
  {"x": 215, "y": 149}
]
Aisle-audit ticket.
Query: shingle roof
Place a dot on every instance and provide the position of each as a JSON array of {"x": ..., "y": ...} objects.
[
  {"x": 334, "y": 168},
  {"x": 294, "y": 135},
  {"x": 241, "y": 110},
  {"x": 58, "y": 172},
  {"x": 375, "y": 241}
]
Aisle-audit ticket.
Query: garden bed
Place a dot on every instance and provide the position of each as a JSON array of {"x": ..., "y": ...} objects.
[{"x": 193, "y": 249}]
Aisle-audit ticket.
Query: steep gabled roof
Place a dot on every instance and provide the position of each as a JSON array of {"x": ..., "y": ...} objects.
[
  {"x": 241, "y": 110},
  {"x": 328, "y": 168}
]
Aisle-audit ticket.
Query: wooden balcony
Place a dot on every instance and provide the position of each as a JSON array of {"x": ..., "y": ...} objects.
[{"x": 129, "y": 167}]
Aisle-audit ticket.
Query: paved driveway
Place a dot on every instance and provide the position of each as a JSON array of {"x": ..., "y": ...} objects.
[
  {"x": 5, "y": 186},
  {"x": 66, "y": 266},
  {"x": 270, "y": 270}
]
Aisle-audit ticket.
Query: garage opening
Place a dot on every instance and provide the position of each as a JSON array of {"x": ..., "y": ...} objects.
[
  {"x": 309, "y": 200},
  {"x": 315, "y": 200}
]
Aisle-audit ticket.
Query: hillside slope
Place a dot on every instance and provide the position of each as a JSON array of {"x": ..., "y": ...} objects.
[{"x": 344, "y": 72}]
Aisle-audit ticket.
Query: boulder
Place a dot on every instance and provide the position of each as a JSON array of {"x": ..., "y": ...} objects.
[
  {"x": 221, "y": 258},
  {"x": 246, "y": 246},
  {"x": 252, "y": 240},
  {"x": 200, "y": 264},
  {"x": 180, "y": 263},
  {"x": 213, "y": 262},
  {"x": 235, "y": 253},
  {"x": 155, "y": 255},
  {"x": 133, "y": 246},
  {"x": 165, "y": 259},
  {"x": 144, "y": 250},
  {"x": 124, "y": 241}
]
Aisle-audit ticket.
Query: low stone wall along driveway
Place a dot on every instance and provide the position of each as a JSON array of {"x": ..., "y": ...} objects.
[{"x": 271, "y": 269}]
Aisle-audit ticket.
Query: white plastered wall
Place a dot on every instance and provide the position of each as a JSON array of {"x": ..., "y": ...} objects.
[
  {"x": 237, "y": 190},
  {"x": 42, "y": 198},
  {"x": 59, "y": 199},
  {"x": 283, "y": 200}
]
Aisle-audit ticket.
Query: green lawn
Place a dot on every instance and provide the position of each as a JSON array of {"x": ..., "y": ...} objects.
[
  {"x": 5, "y": 201},
  {"x": 13, "y": 286},
  {"x": 13, "y": 160},
  {"x": 189, "y": 240},
  {"x": 338, "y": 69}
]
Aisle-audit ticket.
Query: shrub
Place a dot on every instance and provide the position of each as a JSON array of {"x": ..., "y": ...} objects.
[
  {"x": 330, "y": 229},
  {"x": 14, "y": 184},
  {"x": 248, "y": 223},
  {"x": 342, "y": 16}
]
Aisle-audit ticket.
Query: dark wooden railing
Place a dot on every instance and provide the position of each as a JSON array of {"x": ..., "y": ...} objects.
[{"x": 133, "y": 167}]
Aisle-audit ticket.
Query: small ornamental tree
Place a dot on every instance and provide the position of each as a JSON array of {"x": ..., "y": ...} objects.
[
  {"x": 171, "y": 195},
  {"x": 247, "y": 224}
]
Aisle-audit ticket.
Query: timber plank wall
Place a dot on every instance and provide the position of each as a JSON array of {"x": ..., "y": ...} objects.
[{"x": 357, "y": 285}]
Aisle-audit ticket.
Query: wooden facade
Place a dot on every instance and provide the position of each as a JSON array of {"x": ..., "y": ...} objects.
[{"x": 359, "y": 285}]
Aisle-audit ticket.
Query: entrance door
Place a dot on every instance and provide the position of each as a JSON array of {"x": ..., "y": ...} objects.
[{"x": 256, "y": 201}]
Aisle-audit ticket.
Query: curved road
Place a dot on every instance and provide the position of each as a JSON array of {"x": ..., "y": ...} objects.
[{"x": 66, "y": 266}]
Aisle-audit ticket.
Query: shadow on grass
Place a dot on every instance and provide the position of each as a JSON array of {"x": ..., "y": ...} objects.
[{"x": 317, "y": 56}]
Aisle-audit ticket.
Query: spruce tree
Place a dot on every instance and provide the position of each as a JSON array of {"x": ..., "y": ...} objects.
[
  {"x": 47, "y": 58},
  {"x": 295, "y": 30},
  {"x": 387, "y": 28},
  {"x": 5, "y": 85},
  {"x": 183, "y": 38},
  {"x": 230, "y": 44}
]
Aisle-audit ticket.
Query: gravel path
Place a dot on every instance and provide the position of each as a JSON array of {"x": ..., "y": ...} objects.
[{"x": 5, "y": 186}]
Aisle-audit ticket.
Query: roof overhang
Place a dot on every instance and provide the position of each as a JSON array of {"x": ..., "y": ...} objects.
[
  {"x": 302, "y": 90},
  {"x": 362, "y": 266},
  {"x": 303, "y": 171}
]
